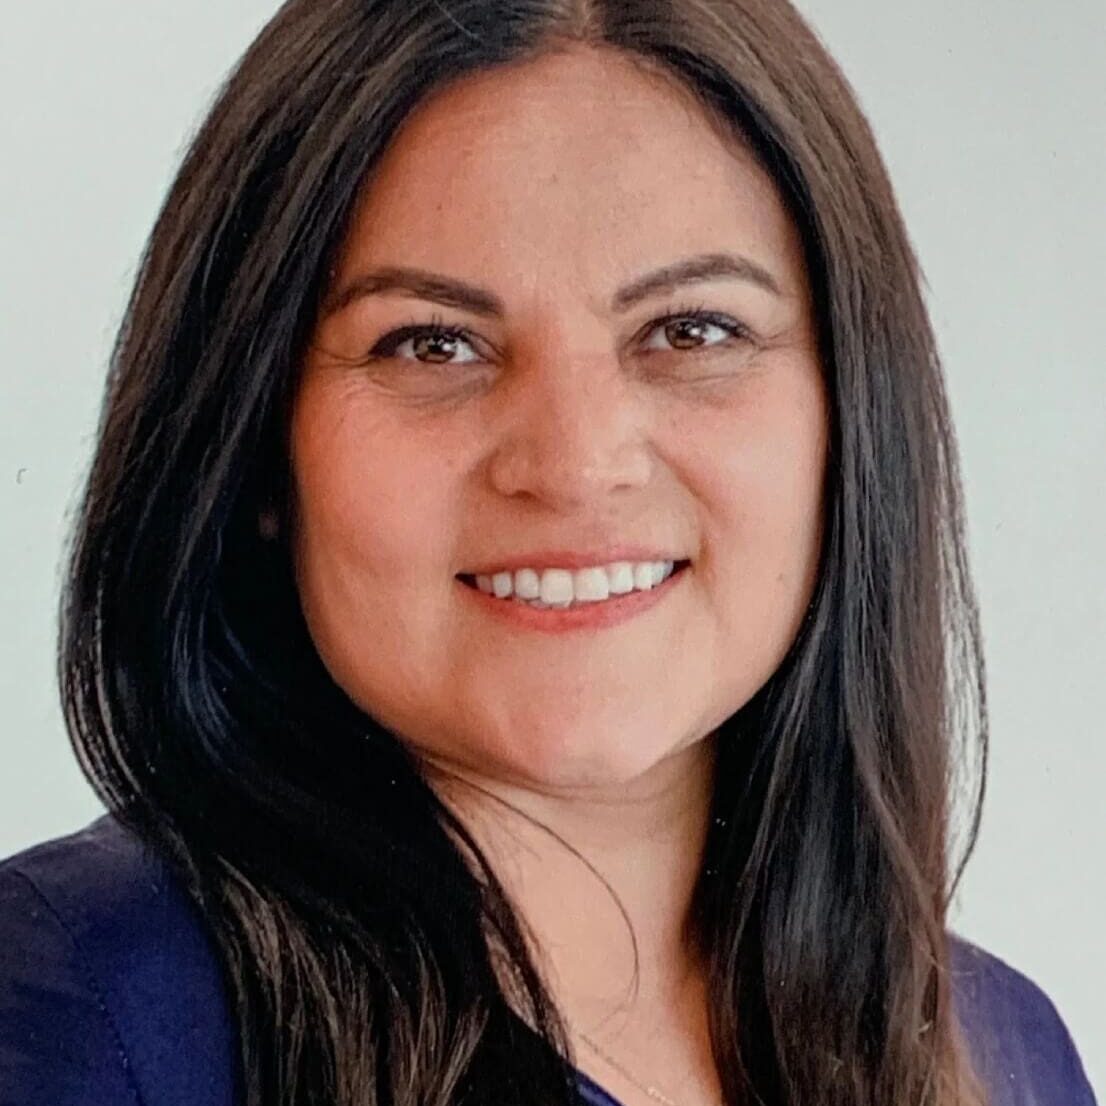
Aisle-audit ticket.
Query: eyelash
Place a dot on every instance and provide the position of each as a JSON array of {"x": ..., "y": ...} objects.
[{"x": 438, "y": 328}]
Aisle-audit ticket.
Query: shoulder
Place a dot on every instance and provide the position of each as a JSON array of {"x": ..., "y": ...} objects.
[
  {"x": 110, "y": 990},
  {"x": 1017, "y": 1039}
]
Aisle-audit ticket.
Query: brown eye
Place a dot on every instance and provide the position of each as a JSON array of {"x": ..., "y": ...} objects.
[
  {"x": 694, "y": 330},
  {"x": 430, "y": 344},
  {"x": 686, "y": 333},
  {"x": 436, "y": 347}
]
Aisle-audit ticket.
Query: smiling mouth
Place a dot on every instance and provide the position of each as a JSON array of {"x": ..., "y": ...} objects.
[{"x": 573, "y": 591}]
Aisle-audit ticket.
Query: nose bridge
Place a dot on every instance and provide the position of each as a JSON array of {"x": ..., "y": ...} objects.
[{"x": 572, "y": 428}]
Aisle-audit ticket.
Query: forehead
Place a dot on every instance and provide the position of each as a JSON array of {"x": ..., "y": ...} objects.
[{"x": 572, "y": 167}]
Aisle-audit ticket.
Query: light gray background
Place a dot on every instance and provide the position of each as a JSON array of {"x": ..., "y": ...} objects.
[{"x": 991, "y": 117}]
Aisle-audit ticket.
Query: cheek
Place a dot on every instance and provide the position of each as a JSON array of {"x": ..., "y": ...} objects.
[
  {"x": 372, "y": 509},
  {"x": 783, "y": 470},
  {"x": 761, "y": 467},
  {"x": 763, "y": 454},
  {"x": 786, "y": 475}
]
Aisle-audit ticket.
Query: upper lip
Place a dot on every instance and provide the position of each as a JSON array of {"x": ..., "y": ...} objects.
[{"x": 575, "y": 558}]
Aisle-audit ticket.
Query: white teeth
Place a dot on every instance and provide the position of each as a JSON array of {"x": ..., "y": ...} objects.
[
  {"x": 560, "y": 587},
  {"x": 621, "y": 577},
  {"x": 590, "y": 585},
  {"x": 527, "y": 584},
  {"x": 556, "y": 586}
]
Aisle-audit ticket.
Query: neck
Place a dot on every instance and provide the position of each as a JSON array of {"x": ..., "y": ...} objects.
[{"x": 644, "y": 837}]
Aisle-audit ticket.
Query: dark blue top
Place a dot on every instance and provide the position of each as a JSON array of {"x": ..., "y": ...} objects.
[{"x": 111, "y": 994}]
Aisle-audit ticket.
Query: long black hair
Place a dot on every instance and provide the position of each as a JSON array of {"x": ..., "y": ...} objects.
[{"x": 372, "y": 955}]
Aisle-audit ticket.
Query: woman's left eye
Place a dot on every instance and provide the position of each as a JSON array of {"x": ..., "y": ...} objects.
[{"x": 690, "y": 329}]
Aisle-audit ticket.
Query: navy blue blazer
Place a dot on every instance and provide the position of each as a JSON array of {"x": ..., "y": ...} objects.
[{"x": 111, "y": 994}]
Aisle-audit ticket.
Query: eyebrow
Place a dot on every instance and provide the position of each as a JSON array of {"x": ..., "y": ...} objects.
[{"x": 457, "y": 293}]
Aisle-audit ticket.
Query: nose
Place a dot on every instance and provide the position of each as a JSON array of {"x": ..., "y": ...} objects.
[{"x": 572, "y": 432}]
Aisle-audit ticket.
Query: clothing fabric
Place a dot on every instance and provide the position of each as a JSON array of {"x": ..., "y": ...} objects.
[{"x": 111, "y": 993}]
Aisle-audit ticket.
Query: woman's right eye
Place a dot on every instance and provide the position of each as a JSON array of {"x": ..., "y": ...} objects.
[{"x": 431, "y": 344}]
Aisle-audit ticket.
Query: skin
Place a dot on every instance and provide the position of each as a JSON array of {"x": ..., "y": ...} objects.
[{"x": 567, "y": 425}]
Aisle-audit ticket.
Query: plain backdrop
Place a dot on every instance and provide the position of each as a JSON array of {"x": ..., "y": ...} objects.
[{"x": 992, "y": 118}]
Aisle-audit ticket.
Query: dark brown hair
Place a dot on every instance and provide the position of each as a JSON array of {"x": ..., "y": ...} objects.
[{"x": 372, "y": 954}]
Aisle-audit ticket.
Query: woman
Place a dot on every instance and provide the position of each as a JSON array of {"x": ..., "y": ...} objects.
[{"x": 518, "y": 619}]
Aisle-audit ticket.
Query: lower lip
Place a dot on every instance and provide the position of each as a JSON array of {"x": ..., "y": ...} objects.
[{"x": 591, "y": 616}]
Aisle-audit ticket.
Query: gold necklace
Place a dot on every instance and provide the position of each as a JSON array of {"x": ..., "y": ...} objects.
[{"x": 650, "y": 1090}]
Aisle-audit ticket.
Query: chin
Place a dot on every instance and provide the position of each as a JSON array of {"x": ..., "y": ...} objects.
[
  {"x": 571, "y": 763},
  {"x": 542, "y": 750}
]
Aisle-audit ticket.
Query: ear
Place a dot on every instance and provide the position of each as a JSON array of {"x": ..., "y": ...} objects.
[{"x": 268, "y": 524}]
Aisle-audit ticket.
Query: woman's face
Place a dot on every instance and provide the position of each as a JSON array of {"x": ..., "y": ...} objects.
[{"x": 567, "y": 425}]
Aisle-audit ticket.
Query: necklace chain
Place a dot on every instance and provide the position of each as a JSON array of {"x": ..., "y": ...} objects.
[{"x": 648, "y": 1089}]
